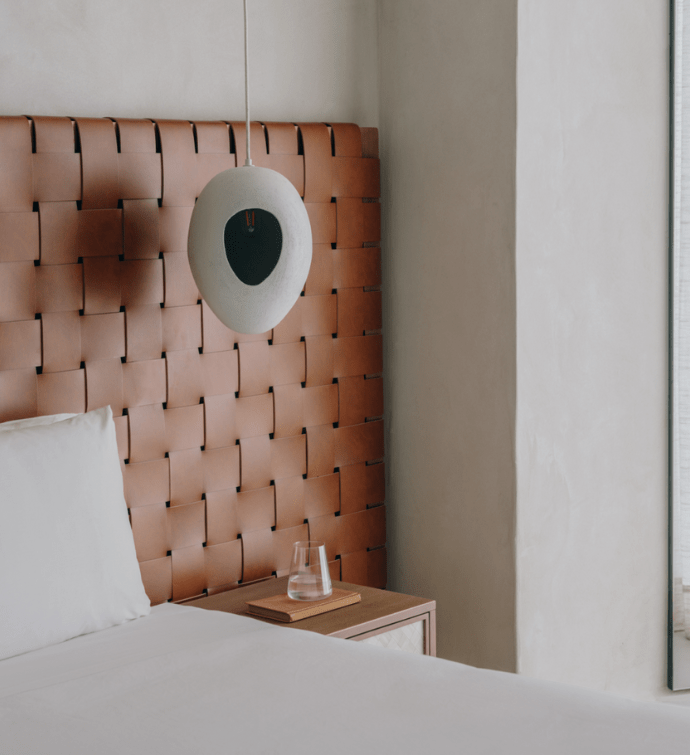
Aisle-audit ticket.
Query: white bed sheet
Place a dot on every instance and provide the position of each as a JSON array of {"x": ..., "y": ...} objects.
[{"x": 184, "y": 680}]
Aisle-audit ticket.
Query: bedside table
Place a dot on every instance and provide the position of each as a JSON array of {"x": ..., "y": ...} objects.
[{"x": 383, "y": 618}]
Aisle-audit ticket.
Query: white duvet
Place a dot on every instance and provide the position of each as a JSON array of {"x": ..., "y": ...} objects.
[{"x": 184, "y": 680}]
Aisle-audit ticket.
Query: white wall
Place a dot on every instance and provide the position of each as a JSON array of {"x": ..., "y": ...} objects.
[
  {"x": 310, "y": 59},
  {"x": 591, "y": 342},
  {"x": 590, "y": 251},
  {"x": 448, "y": 168}
]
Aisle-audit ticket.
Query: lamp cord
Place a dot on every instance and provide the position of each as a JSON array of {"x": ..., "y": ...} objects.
[{"x": 248, "y": 160}]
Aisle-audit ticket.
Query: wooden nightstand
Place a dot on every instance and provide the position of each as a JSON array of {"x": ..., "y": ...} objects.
[{"x": 381, "y": 618}]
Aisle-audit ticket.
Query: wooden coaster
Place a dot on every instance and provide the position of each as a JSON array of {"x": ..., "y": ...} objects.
[{"x": 282, "y": 608}]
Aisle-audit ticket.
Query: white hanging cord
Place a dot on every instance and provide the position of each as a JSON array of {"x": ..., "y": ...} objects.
[{"x": 248, "y": 160}]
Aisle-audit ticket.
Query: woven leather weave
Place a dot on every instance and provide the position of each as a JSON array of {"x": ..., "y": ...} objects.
[{"x": 232, "y": 446}]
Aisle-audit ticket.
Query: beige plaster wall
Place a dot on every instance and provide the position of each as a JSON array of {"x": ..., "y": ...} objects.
[
  {"x": 591, "y": 255},
  {"x": 447, "y": 94},
  {"x": 309, "y": 59}
]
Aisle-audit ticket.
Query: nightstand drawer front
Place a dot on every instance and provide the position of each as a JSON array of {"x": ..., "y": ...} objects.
[{"x": 410, "y": 638}]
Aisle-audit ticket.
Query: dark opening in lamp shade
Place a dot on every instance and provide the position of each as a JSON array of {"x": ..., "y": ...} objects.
[
  {"x": 253, "y": 243},
  {"x": 250, "y": 247}
]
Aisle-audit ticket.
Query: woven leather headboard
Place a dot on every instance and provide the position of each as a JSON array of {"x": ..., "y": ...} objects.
[{"x": 232, "y": 447}]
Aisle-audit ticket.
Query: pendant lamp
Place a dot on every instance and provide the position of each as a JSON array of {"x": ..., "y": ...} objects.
[{"x": 249, "y": 241}]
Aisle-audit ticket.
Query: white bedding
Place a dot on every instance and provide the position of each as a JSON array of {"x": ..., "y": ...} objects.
[{"x": 184, "y": 680}]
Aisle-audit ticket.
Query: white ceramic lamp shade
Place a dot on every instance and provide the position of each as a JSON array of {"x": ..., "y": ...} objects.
[{"x": 250, "y": 247}]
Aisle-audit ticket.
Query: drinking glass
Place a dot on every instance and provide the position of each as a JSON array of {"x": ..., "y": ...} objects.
[{"x": 309, "y": 576}]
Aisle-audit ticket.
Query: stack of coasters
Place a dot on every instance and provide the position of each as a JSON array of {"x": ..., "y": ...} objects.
[{"x": 282, "y": 608}]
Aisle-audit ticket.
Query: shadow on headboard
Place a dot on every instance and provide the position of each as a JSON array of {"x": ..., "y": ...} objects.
[{"x": 232, "y": 447}]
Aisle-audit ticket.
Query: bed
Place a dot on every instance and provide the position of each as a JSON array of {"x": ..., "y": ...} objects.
[
  {"x": 149, "y": 456},
  {"x": 185, "y": 680}
]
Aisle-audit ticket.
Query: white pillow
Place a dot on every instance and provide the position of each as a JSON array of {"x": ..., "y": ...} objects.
[{"x": 67, "y": 559}]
